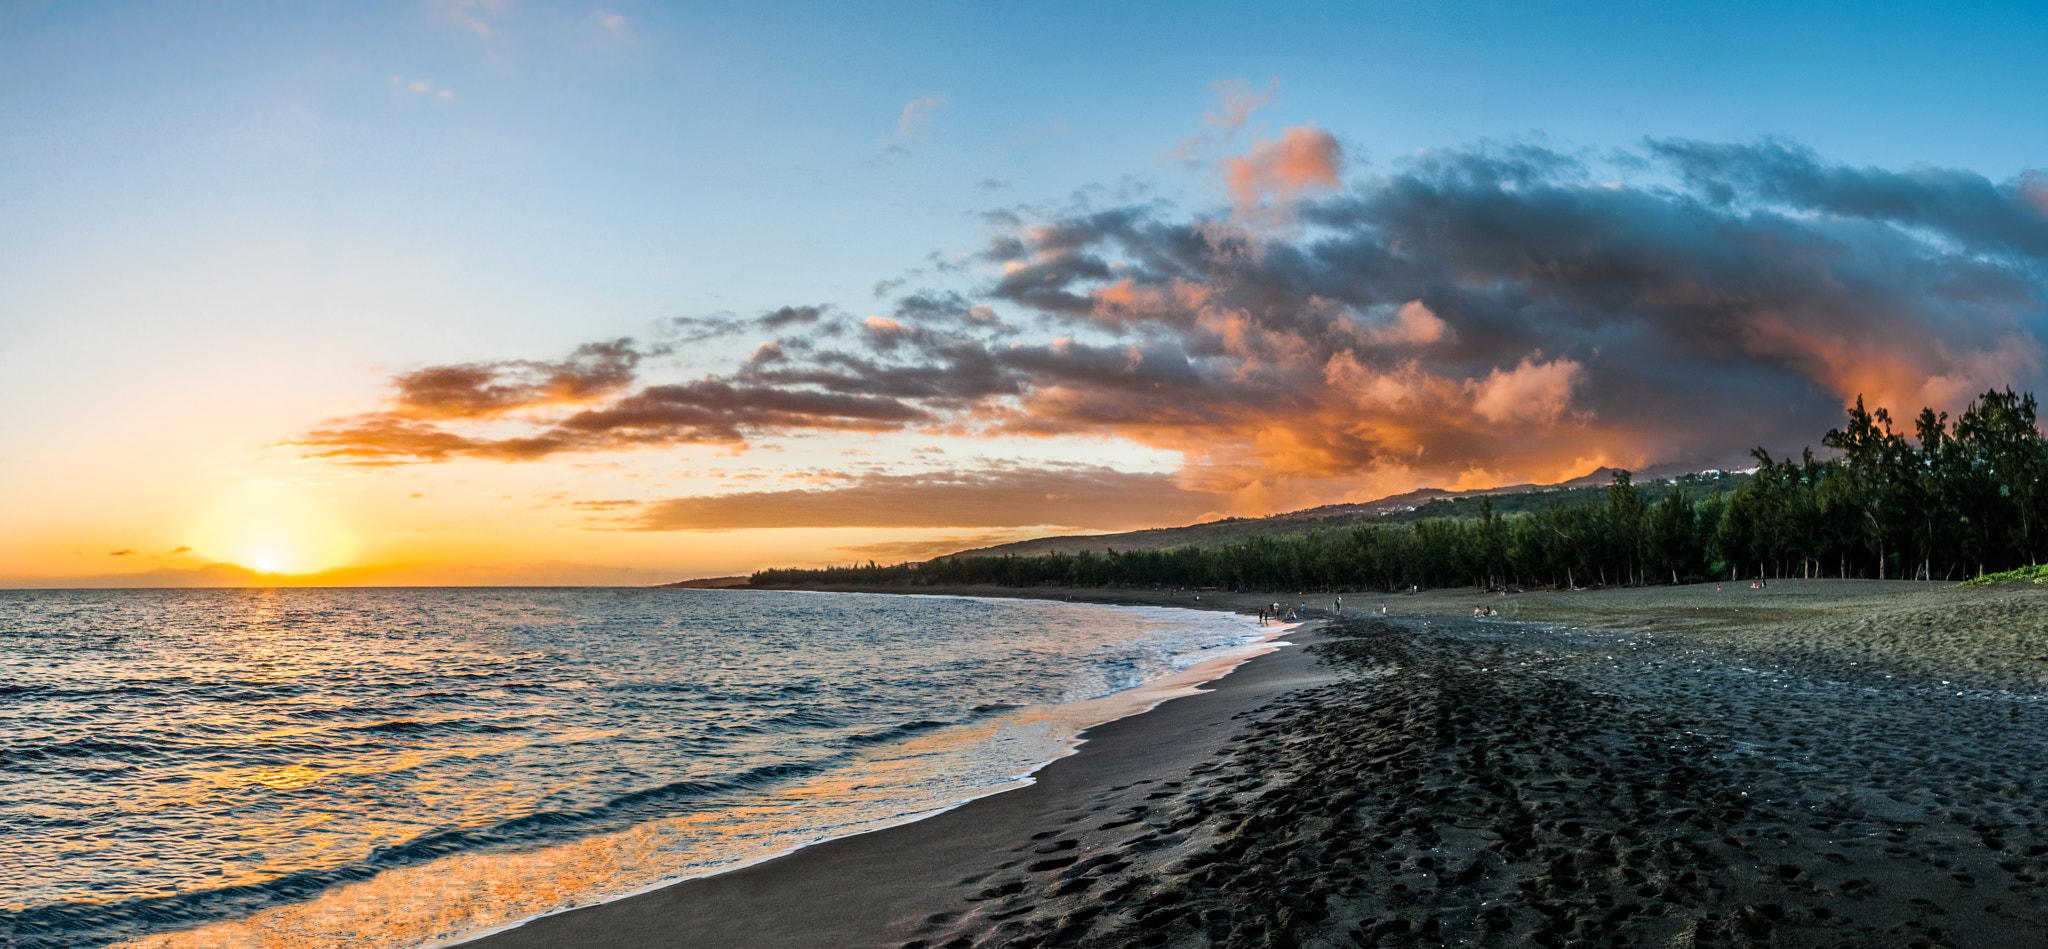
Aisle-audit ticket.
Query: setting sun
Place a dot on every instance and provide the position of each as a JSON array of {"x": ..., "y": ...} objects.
[{"x": 273, "y": 530}]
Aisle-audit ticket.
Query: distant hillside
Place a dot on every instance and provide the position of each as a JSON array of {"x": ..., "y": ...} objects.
[
  {"x": 1414, "y": 505},
  {"x": 704, "y": 583}
]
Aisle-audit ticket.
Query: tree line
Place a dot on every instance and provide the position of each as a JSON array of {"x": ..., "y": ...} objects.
[{"x": 1954, "y": 500}]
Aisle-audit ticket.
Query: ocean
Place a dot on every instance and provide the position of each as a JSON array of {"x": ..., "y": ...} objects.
[{"x": 391, "y": 768}]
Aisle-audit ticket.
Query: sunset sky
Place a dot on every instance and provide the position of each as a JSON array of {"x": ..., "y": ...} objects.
[{"x": 503, "y": 291}]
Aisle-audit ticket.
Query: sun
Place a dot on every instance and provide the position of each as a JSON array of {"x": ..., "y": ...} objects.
[{"x": 276, "y": 529}]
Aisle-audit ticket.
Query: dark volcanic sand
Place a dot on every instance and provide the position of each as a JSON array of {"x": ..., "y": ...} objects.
[
  {"x": 1490, "y": 784},
  {"x": 1816, "y": 765}
]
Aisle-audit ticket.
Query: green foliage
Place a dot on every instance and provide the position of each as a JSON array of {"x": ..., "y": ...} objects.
[
  {"x": 2034, "y": 573},
  {"x": 1968, "y": 498}
]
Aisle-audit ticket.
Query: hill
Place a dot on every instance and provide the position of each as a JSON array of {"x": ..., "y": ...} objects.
[
  {"x": 704, "y": 583},
  {"x": 1413, "y": 505}
]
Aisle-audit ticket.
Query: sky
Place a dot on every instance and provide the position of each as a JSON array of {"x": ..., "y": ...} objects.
[{"x": 503, "y": 291}]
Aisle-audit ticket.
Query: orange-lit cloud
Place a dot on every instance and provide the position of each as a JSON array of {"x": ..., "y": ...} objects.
[
  {"x": 1304, "y": 159},
  {"x": 1498, "y": 314},
  {"x": 706, "y": 411},
  {"x": 482, "y": 390}
]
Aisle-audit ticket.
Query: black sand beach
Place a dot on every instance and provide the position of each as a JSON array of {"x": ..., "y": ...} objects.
[{"x": 1817, "y": 764}]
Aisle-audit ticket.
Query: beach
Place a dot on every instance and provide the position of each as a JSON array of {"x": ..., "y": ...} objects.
[{"x": 1818, "y": 763}]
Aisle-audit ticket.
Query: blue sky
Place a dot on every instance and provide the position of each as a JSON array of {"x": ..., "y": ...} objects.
[{"x": 220, "y": 223}]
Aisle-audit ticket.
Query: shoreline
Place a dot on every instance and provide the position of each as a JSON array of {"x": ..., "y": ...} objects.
[
  {"x": 1098, "y": 712},
  {"x": 1825, "y": 763},
  {"x": 808, "y": 896},
  {"x": 461, "y": 898}
]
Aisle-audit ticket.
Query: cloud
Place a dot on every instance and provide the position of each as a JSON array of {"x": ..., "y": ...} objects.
[
  {"x": 705, "y": 411},
  {"x": 489, "y": 389},
  {"x": 1303, "y": 159},
  {"x": 1096, "y": 497},
  {"x": 1531, "y": 392},
  {"x": 1501, "y": 312},
  {"x": 421, "y": 87},
  {"x": 614, "y": 23},
  {"x": 788, "y": 316},
  {"x": 917, "y": 113},
  {"x": 473, "y": 15},
  {"x": 120, "y": 553},
  {"x": 1236, "y": 101},
  {"x": 1410, "y": 324}
]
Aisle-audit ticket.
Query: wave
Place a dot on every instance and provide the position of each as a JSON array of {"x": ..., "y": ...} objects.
[
  {"x": 81, "y": 925},
  {"x": 351, "y": 753},
  {"x": 897, "y": 733}
]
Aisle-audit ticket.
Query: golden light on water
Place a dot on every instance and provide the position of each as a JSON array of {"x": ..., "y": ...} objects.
[
  {"x": 468, "y": 892},
  {"x": 273, "y": 529},
  {"x": 286, "y": 778},
  {"x": 462, "y": 893}
]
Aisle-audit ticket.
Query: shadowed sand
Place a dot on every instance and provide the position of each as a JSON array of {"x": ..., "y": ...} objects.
[{"x": 1816, "y": 764}]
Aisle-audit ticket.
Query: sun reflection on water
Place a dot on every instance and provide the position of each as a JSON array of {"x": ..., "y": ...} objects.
[
  {"x": 458, "y": 897},
  {"x": 467, "y": 893},
  {"x": 495, "y": 755}
]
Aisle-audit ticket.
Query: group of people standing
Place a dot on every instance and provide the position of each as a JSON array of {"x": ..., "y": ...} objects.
[
  {"x": 1272, "y": 612},
  {"x": 1284, "y": 613}
]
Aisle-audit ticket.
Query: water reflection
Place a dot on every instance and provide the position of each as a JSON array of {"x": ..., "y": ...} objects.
[{"x": 406, "y": 764}]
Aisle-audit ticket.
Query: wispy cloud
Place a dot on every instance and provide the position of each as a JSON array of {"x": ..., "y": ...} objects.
[
  {"x": 917, "y": 113},
  {"x": 476, "y": 16},
  {"x": 911, "y": 122},
  {"x": 421, "y": 87},
  {"x": 1236, "y": 100}
]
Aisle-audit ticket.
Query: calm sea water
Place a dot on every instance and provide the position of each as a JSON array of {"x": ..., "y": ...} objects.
[{"x": 400, "y": 767}]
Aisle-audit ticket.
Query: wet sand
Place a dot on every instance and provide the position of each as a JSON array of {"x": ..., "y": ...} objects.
[{"x": 1816, "y": 764}]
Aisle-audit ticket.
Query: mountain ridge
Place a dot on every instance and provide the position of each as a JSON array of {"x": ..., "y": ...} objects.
[{"x": 1327, "y": 515}]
